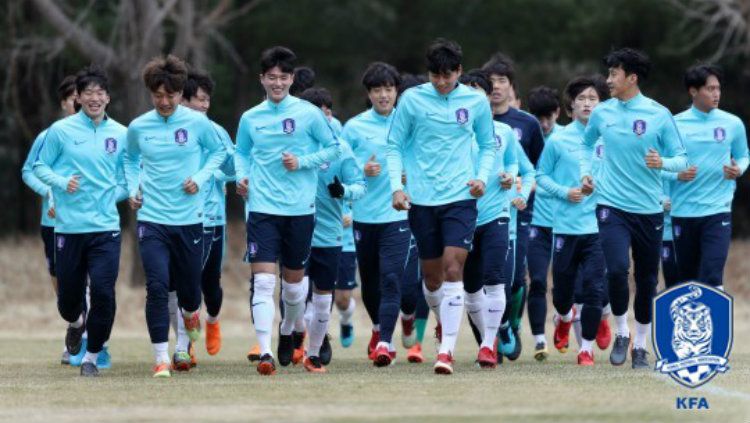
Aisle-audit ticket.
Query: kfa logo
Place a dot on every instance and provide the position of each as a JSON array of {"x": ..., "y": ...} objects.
[
  {"x": 110, "y": 145},
  {"x": 599, "y": 150},
  {"x": 462, "y": 116},
  {"x": 519, "y": 133},
  {"x": 691, "y": 403},
  {"x": 639, "y": 127},
  {"x": 720, "y": 134},
  {"x": 288, "y": 126},
  {"x": 692, "y": 332},
  {"x": 181, "y": 136},
  {"x": 498, "y": 142}
]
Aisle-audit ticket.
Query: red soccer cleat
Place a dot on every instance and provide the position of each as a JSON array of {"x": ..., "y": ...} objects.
[
  {"x": 382, "y": 356},
  {"x": 374, "y": 339},
  {"x": 444, "y": 364},
  {"x": 414, "y": 355},
  {"x": 585, "y": 358},
  {"x": 487, "y": 358},
  {"x": 603, "y": 335}
]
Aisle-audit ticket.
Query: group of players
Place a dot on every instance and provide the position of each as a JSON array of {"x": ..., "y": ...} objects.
[{"x": 442, "y": 194}]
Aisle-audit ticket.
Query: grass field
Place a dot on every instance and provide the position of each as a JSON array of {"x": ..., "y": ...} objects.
[{"x": 34, "y": 387}]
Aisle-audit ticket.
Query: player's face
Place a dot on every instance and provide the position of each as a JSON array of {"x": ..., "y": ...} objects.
[
  {"x": 708, "y": 96},
  {"x": 501, "y": 89},
  {"x": 444, "y": 83},
  {"x": 276, "y": 83},
  {"x": 94, "y": 100},
  {"x": 68, "y": 104},
  {"x": 165, "y": 102},
  {"x": 383, "y": 99},
  {"x": 548, "y": 122},
  {"x": 584, "y": 104},
  {"x": 619, "y": 82},
  {"x": 199, "y": 102}
]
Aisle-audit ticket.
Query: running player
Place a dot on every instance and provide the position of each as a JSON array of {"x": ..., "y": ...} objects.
[
  {"x": 716, "y": 142},
  {"x": 81, "y": 159},
  {"x": 346, "y": 281},
  {"x": 431, "y": 136},
  {"x": 172, "y": 153},
  {"x": 281, "y": 143},
  {"x": 634, "y": 130}
]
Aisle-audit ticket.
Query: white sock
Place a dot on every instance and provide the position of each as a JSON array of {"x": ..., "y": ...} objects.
[
  {"x": 568, "y": 317},
  {"x": 183, "y": 340},
  {"x": 346, "y": 314},
  {"x": 211, "y": 319},
  {"x": 172, "y": 304},
  {"x": 494, "y": 302},
  {"x": 264, "y": 309},
  {"x": 321, "y": 303},
  {"x": 586, "y": 345},
  {"x": 540, "y": 339},
  {"x": 90, "y": 357},
  {"x": 294, "y": 296},
  {"x": 307, "y": 316},
  {"x": 451, "y": 312},
  {"x": 376, "y": 328},
  {"x": 606, "y": 311},
  {"x": 161, "y": 355},
  {"x": 577, "y": 329},
  {"x": 641, "y": 335},
  {"x": 475, "y": 307},
  {"x": 434, "y": 299},
  {"x": 622, "y": 325}
]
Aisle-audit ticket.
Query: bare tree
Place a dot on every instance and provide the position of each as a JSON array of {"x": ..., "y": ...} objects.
[{"x": 727, "y": 21}]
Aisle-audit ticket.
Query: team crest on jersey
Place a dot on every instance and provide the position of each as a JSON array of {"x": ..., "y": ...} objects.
[
  {"x": 60, "y": 241},
  {"x": 462, "y": 116},
  {"x": 519, "y": 133},
  {"x": 498, "y": 142},
  {"x": 110, "y": 145},
  {"x": 599, "y": 150},
  {"x": 288, "y": 125},
  {"x": 720, "y": 134},
  {"x": 639, "y": 127},
  {"x": 181, "y": 136},
  {"x": 692, "y": 332},
  {"x": 603, "y": 214},
  {"x": 559, "y": 243}
]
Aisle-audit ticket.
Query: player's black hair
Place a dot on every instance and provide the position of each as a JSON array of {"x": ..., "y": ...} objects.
[
  {"x": 543, "y": 101},
  {"x": 443, "y": 56},
  {"x": 66, "y": 88},
  {"x": 697, "y": 76},
  {"x": 170, "y": 72},
  {"x": 632, "y": 61},
  {"x": 279, "y": 56},
  {"x": 304, "y": 78},
  {"x": 578, "y": 84},
  {"x": 380, "y": 74},
  {"x": 500, "y": 65},
  {"x": 409, "y": 80},
  {"x": 318, "y": 96},
  {"x": 91, "y": 75},
  {"x": 477, "y": 77},
  {"x": 197, "y": 79}
]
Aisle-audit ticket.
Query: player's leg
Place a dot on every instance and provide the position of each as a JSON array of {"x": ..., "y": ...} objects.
[
  {"x": 48, "y": 239},
  {"x": 213, "y": 294},
  {"x": 669, "y": 268},
  {"x": 474, "y": 287},
  {"x": 506, "y": 339},
  {"x": 71, "y": 289},
  {"x": 323, "y": 271},
  {"x": 345, "y": 303},
  {"x": 494, "y": 246},
  {"x": 591, "y": 260},
  {"x": 186, "y": 253},
  {"x": 715, "y": 240},
  {"x": 538, "y": 257},
  {"x": 564, "y": 272},
  {"x": 411, "y": 293},
  {"x": 647, "y": 237},
  {"x": 366, "y": 237}
]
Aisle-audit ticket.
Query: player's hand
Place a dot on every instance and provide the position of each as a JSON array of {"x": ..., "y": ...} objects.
[
  {"x": 575, "y": 195},
  {"x": 135, "y": 203},
  {"x": 689, "y": 174},
  {"x": 347, "y": 220},
  {"x": 290, "y": 161},
  {"x": 189, "y": 186},
  {"x": 51, "y": 213},
  {"x": 667, "y": 203},
  {"x": 653, "y": 159},
  {"x": 401, "y": 200},
  {"x": 587, "y": 185},
  {"x": 336, "y": 189},
  {"x": 243, "y": 187},
  {"x": 372, "y": 167},
  {"x": 476, "y": 188},
  {"x": 73, "y": 184},
  {"x": 732, "y": 171},
  {"x": 506, "y": 180},
  {"x": 519, "y": 203}
]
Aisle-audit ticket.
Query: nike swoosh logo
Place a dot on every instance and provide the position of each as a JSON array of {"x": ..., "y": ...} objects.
[
  {"x": 468, "y": 241},
  {"x": 149, "y": 138},
  {"x": 403, "y": 229},
  {"x": 524, "y": 223},
  {"x": 502, "y": 223},
  {"x": 430, "y": 114},
  {"x": 609, "y": 125},
  {"x": 216, "y": 239},
  {"x": 115, "y": 234},
  {"x": 725, "y": 223},
  {"x": 659, "y": 227},
  {"x": 258, "y": 128},
  {"x": 256, "y": 304},
  {"x": 195, "y": 241},
  {"x": 79, "y": 142},
  {"x": 322, "y": 321},
  {"x": 208, "y": 232},
  {"x": 454, "y": 305},
  {"x": 493, "y": 311}
]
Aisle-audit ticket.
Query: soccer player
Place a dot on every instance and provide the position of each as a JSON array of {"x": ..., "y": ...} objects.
[
  {"x": 66, "y": 93},
  {"x": 304, "y": 78},
  {"x": 346, "y": 281},
  {"x": 81, "y": 159},
  {"x": 577, "y": 248},
  {"x": 172, "y": 153},
  {"x": 634, "y": 130},
  {"x": 281, "y": 144},
  {"x": 431, "y": 137},
  {"x": 544, "y": 104},
  {"x": 196, "y": 95},
  {"x": 716, "y": 142}
]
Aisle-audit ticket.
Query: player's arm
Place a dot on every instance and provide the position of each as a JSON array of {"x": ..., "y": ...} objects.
[
  {"x": 544, "y": 169},
  {"x": 212, "y": 145},
  {"x": 510, "y": 163},
  {"x": 739, "y": 151},
  {"x": 484, "y": 130},
  {"x": 398, "y": 137},
  {"x": 671, "y": 143},
  {"x": 27, "y": 171},
  {"x": 528, "y": 173},
  {"x": 590, "y": 136},
  {"x": 131, "y": 160},
  {"x": 48, "y": 154},
  {"x": 328, "y": 141},
  {"x": 536, "y": 142},
  {"x": 121, "y": 190},
  {"x": 352, "y": 177}
]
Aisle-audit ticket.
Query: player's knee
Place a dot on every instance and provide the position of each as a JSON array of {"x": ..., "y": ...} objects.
[{"x": 264, "y": 285}]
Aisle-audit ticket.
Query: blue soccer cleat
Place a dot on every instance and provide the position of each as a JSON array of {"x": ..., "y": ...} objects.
[
  {"x": 76, "y": 360},
  {"x": 104, "y": 360},
  {"x": 507, "y": 340},
  {"x": 347, "y": 335}
]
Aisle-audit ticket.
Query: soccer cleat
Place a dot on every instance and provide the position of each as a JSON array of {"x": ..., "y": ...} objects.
[
  {"x": 603, "y": 335},
  {"x": 162, "y": 370},
  {"x": 74, "y": 339},
  {"x": 299, "y": 347},
  {"x": 517, "y": 346},
  {"x": 75, "y": 360},
  {"x": 104, "y": 360},
  {"x": 88, "y": 369},
  {"x": 313, "y": 365},
  {"x": 193, "y": 325},
  {"x": 507, "y": 340},
  {"x": 213, "y": 338},
  {"x": 562, "y": 336},
  {"x": 382, "y": 356},
  {"x": 65, "y": 359},
  {"x": 181, "y": 361},
  {"x": 285, "y": 350},
  {"x": 266, "y": 365},
  {"x": 254, "y": 353},
  {"x": 585, "y": 358},
  {"x": 191, "y": 351},
  {"x": 619, "y": 352},
  {"x": 487, "y": 359},
  {"x": 444, "y": 364},
  {"x": 414, "y": 355},
  {"x": 326, "y": 352},
  {"x": 347, "y": 335},
  {"x": 408, "y": 334},
  {"x": 374, "y": 339},
  {"x": 639, "y": 356},
  {"x": 540, "y": 351}
]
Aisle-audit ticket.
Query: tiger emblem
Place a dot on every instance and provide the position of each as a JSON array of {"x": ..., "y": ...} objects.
[{"x": 693, "y": 327}]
